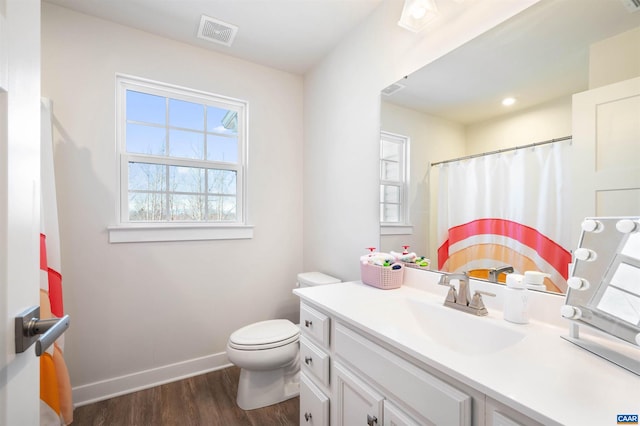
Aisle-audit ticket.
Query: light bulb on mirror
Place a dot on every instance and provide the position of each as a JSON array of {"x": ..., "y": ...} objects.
[
  {"x": 627, "y": 226},
  {"x": 578, "y": 283},
  {"x": 585, "y": 254},
  {"x": 590, "y": 225},
  {"x": 570, "y": 312}
]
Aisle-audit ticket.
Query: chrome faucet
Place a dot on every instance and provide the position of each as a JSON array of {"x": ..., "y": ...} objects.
[
  {"x": 494, "y": 273},
  {"x": 463, "y": 301}
]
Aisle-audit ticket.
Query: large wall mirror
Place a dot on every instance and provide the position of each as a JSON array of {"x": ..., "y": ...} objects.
[{"x": 452, "y": 107}]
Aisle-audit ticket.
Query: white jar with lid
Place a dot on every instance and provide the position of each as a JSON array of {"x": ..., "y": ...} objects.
[
  {"x": 516, "y": 300},
  {"x": 534, "y": 280}
]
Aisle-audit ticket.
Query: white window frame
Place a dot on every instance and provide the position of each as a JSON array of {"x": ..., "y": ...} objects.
[
  {"x": 403, "y": 226},
  {"x": 136, "y": 231}
]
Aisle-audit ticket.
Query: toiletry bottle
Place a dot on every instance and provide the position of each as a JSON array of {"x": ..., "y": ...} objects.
[
  {"x": 516, "y": 300},
  {"x": 367, "y": 257}
]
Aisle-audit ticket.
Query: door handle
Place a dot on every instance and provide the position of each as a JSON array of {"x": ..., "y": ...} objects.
[{"x": 30, "y": 329}]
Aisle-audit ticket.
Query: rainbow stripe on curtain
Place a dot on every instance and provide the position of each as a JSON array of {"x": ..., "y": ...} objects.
[
  {"x": 56, "y": 406},
  {"x": 506, "y": 209}
]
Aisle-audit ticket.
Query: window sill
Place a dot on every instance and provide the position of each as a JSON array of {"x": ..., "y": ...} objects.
[
  {"x": 396, "y": 229},
  {"x": 137, "y": 233}
]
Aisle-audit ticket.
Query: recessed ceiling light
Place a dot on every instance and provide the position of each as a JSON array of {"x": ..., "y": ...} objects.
[{"x": 508, "y": 101}]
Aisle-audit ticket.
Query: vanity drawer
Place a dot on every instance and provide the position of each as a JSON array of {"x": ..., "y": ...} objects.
[
  {"x": 436, "y": 401},
  {"x": 315, "y": 324},
  {"x": 314, "y": 405},
  {"x": 314, "y": 361}
]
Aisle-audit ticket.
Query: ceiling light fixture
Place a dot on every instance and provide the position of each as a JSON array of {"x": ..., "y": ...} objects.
[
  {"x": 508, "y": 101},
  {"x": 416, "y": 14}
]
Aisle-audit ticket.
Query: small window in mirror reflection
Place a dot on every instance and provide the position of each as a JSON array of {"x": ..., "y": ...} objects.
[{"x": 394, "y": 179}]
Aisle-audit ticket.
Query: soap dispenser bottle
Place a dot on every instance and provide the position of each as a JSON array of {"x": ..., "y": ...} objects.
[{"x": 516, "y": 300}]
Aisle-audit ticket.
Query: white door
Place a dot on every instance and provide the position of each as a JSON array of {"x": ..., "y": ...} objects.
[
  {"x": 19, "y": 203},
  {"x": 606, "y": 152}
]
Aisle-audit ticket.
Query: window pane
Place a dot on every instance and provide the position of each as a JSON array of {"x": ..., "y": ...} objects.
[
  {"x": 222, "y": 121},
  {"x": 390, "y": 151},
  {"x": 147, "y": 177},
  {"x": 222, "y": 208},
  {"x": 390, "y": 170},
  {"x": 145, "y": 139},
  {"x": 390, "y": 213},
  {"x": 221, "y": 148},
  {"x": 389, "y": 194},
  {"x": 186, "y": 179},
  {"x": 186, "y": 207},
  {"x": 146, "y": 108},
  {"x": 186, "y": 114},
  {"x": 183, "y": 152},
  {"x": 146, "y": 206},
  {"x": 221, "y": 181},
  {"x": 185, "y": 144}
]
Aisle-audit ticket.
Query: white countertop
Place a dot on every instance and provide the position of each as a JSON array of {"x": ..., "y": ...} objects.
[{"x": 542, "y": 375}]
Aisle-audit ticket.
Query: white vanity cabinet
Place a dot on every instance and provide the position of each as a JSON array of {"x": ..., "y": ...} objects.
[
  {"x": 394, "y": 358},
  {"x": 315, "y": 363},
  {"x": 349, "y": 378}
]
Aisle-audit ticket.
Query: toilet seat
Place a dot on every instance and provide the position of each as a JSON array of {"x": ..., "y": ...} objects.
[{"x": 264, "y": 335}]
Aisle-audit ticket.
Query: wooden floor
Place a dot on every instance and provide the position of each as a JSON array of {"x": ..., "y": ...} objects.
[{"x": 209, "y": 399}]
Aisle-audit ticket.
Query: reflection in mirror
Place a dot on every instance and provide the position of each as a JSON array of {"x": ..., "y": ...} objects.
[{"x": 452, "y": 107}]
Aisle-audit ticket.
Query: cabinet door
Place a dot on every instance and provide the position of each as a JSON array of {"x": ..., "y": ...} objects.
[
  {"x": 314, "y": 405},
  {"x": 357, "y": 403},
  {"x": 500, "y": 415},
  {"x": 394, "y": 416}
]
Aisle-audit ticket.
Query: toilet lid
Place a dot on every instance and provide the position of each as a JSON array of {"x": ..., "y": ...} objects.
[{"x": 265, "y": 335}]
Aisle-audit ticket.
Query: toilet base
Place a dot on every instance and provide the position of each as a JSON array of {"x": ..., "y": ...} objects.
[{"x": 257, "y": 389}]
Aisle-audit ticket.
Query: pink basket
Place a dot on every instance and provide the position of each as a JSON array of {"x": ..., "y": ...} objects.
[{"x": 380, "y": 276}]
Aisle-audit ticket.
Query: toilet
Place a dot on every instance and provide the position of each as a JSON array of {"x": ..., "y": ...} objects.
[{"x": 267, "y": 354}]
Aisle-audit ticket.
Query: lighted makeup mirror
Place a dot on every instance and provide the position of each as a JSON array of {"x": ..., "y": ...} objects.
[{"x": 604, "y": 287}]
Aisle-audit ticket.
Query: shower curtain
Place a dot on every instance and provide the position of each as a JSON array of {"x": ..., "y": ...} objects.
[
  {"x": 508, "y": 208},
  {"x": 56, "y": 407}
]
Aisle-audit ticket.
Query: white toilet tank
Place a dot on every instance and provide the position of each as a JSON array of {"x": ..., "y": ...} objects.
[{"x": 310, "y": 279}]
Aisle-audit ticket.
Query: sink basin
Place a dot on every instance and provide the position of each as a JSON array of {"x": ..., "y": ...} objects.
[
  {"x": 461, "y": 331},
  {"x": 458, "y": 331}
]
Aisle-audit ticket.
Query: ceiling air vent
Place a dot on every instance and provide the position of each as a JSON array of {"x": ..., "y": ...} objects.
[
  {"x": 390, "y": 90},
  {"x": 216, "y": 31},
  {"x": 632, "y": 5}
]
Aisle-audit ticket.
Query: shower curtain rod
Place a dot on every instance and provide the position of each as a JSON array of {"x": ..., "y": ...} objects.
[{"x": 502, "y": 150}]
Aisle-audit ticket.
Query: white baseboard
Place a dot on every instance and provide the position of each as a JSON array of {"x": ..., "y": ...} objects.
[{"x": 105, "y": 389}]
